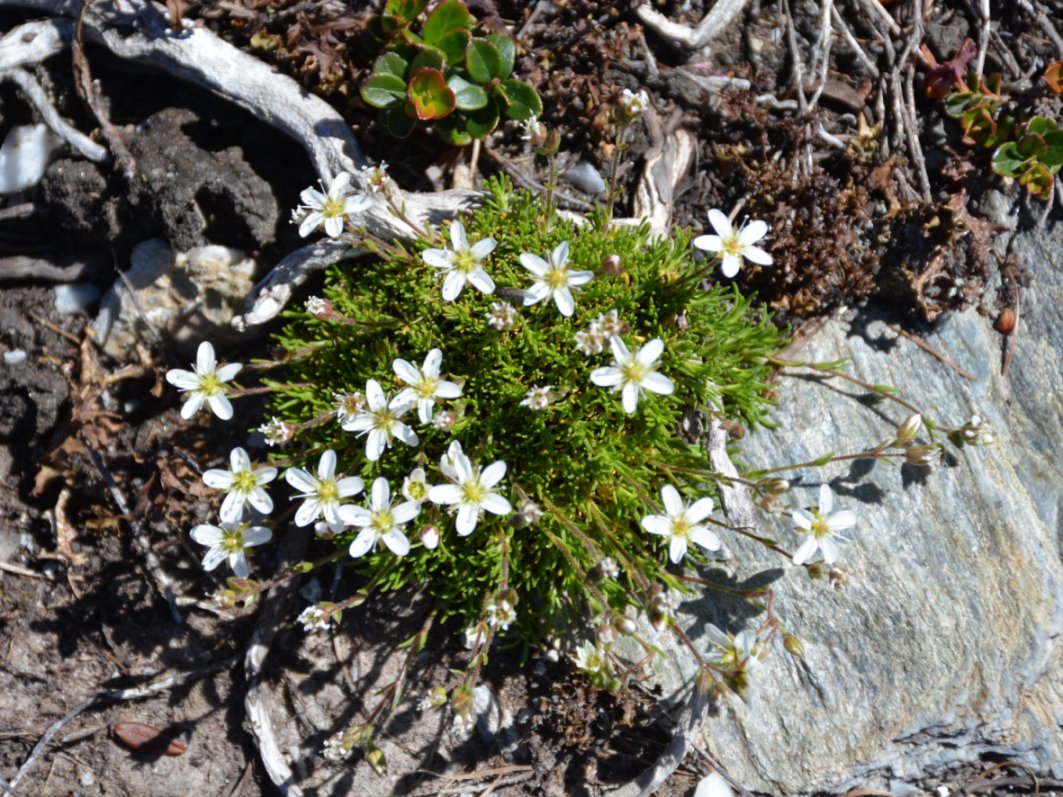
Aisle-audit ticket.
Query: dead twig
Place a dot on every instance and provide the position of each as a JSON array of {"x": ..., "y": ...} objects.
[
  {"x": 720, "y": 17},
  {"x": 922, "y": 344},
  {"x": 19, "y": 570},
  {"x": 37, "y": 97}
]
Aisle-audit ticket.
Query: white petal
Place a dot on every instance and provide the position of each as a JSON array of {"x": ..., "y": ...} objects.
[
  {"x": 677, "y": 549},
  {"x": 257, "y": 535},
  {"x": 192, "y": 406},
  {"x": 457, "y": 237},
  {"x": 326, "y": 466},
  {"x": 374, "y": 395},
  {"x": 356, "y": 204},
  {"x": 238, "y": 459},
  {"x": 826, "y": 499},
  {"x": 731, "y": 264},
  {"x": 447, "y": 389},
  {"x": 232, "y": 508},
  {"x": 312, "y": 197},
  {"x": 446, "y": 494},
  {"x": 432, "y": 361},
  {"x": 467, "y": 517},
  {"x": 720, "y": 223},
  {"x": 206, "y": 534},
  {"x": 803, "y": 519},
  {"x": 630, "y": 398},
  {"x": 310, "y": 223},
  {"x": 406, "y": 371},
  {"x": 205, "y": 362},
  {"x": 424, "y": 410},
  {"x": 482, "y": 281},
  {"x": 397, "y": 542},
  {"x": 496, "y": 504},
  {"x": 218, "y": 479},
  {"x": 536, "y": 293},
  {"x": 438, "y": 258},
  {"x": 339, "y": 185},
  {"x": 705, "y": 538},
  {"x": 261, "y": 501},
  {"x": 535, "y": 264},
  {"x": 214, "y": 557},
  {"x": 333, "y": 226},
  {"x": 375, "y": 444},
  {"x": 840, "y": 521},
  {"x": 482, "y": 249},
  {"x": 355, "y": 515},
  {"x": 405, "y": 512},
  {"x": 381, "y": 496},
  {"x": 493, "y": 474},
  {"x": 673, "y": 503},
  {"x": 227, "y": 372},
  {"x": 452, "y": 286},
  {"x": 576, "y": 278},
  {"x": 650, "y": 353},
  {"x": 564, "y": 302},
  {"x": 330, "y": 510},
  {"x": 709, "y": 243},
  {"x": 609, "y": 376},
  {"x": 221, "y": 407},
  {"x": 307, "y": 512},
  {"x": 657, "y": 524},
  {"x": 831, "y": 551},
  {"x": 560, "y": 254},
  {"x": 300, "y": 480},
  {"x": 352, "y": 485},
  {"x": 806, "y": 551},
  {"x": 185, "y": 380},
  {"x": 620, "y": 350},
  {"x": 405, "y": 434},
  {"x": 752, "y": 232},
  {"x": 363, "y": 543},
  {"x": 757, "y": 255},
  {"x": 699, "y": 510},
  {"x": 265, "y": 475},
  {"x": 658, "y": 383}
]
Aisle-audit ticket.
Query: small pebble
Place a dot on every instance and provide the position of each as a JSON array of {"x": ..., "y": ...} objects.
[
  {"x": 14, "y": 357},
  {"x": 75, "y": 297},
  {"x": 713, "y": 786},
  {"x": 24, "y": 156},
  {"x": 586, "y": 178}
]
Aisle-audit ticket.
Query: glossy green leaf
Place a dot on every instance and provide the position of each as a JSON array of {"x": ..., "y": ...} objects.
[
  {"x": 467, "y": 96},
  {"x": 957, "y": 104},
  {"x": 1038, "y": 181},
  {"x": 383, "y": 91},
  {"x": 405, "y": 10},
  {"x": 448, "y": 15},
  {"x": 453, "y": 132},
  {"x": 428, "y": 58},
  {"x": 398, "y": 120},
  {"x": 1007, "y": 160},
  {"x": 482, "y": 122},
  {"x": 1032, "y": 146},
  {"x": 522, "y": 100},
  {"x": 483, "y": 60},
  {"x": 507, "y": 51},
  {"x": 390, "y": 64},
  {"x": 1040, "y": 125},
  {"x": 430, "y": 95},
  {"x": 1053, "y": 155},
  {"x": 453, "y": 45}
]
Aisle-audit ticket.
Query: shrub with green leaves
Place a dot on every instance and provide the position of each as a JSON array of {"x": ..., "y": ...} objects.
[
  {"x": 581, "y": 472},
  {"x": 448, "y": 75}
]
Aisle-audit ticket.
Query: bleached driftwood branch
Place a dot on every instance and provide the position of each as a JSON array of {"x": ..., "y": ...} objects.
[{"x": 720, "y": 16}]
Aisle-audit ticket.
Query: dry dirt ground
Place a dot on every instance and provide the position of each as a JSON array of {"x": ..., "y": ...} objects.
[{"x": 99, "y": 479}]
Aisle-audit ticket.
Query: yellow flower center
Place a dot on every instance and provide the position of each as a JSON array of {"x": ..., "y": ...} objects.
[
  {"x": 328, "y": 491},
  {"x": 244, "y": 481},
  {"x": 465, "y": 262},
  {"x": 333, "y": 207},
  {"x": 633, "y": 371},
  {"x": 232, "y": 540},
  {"x": 472, "y": 492}
]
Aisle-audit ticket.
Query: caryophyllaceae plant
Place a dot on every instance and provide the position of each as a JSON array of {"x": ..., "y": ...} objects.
[
  {"x": 734, "y": 245},
  {"x": 206, "y": 384}
]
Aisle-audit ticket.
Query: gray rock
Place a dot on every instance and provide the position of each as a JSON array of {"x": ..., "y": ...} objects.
[
  {"x": 184, "y": 299},
  {"x": 75, "y": 297},
  {"x": 586, "y": 178},
  {"x": 944, "y": 644}
]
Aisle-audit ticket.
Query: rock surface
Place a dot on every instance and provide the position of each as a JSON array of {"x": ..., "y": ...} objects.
[{"x": 944, "y": 644}]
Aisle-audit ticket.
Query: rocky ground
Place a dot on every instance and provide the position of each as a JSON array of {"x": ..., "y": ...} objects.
[{"x": 105, "y": 611}]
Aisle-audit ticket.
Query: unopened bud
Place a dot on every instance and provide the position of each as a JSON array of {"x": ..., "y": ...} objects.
[
  {"x": 318, "y": 307},
  {"x": 430, "y": 536},
  {"x": 793, "y": 646},
  {"x": 509, "y": 597},
  {"x": 659, "y": 618},
  {"x": 550, "y": 143},
  {"x": 775, "y": 486},
  {"x": 907, "y": 431},
  {"x": 924, "y": 456},
  {"x": 612, "y": 264},
  {"x": 461, "y": 700},
  {"x": 377, "y": 760},
  {"x": 626, "y": 626}
]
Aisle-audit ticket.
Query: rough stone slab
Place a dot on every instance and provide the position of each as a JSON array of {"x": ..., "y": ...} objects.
[{"x": 945, "y": 643}]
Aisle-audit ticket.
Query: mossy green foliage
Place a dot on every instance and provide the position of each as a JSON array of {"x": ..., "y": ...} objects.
[{"x": 593, "y": 469}]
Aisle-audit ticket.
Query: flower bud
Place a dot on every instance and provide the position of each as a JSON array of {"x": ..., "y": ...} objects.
[
  {"x": 551, "y": 143},
  {"x": 793, "y": 645},
  {"x": 907, "y": 431},
  {"x": 626, "y": 626},
  {"x": 376, "y": 759},
  {"x": 612, "y": 265},
  {"x": 924, "y": 456},
  {"x": 430, "y": 536},
  {"x": 509, "y": 597},
  {"x": 461, "y": 700},
  {"x": 775, "y": 486},
  {"x": 319, "y": 307}
]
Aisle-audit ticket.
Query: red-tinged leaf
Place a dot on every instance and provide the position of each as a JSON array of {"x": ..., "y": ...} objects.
[
  {"x": 143, "y": 738},
  {"x": 1053, "y": 77},
  {"x": 430, "y": 95}
]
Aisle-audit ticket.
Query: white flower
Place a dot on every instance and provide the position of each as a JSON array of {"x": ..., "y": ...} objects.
[
  {"x": 503, "y": 316},
  {"x": 529, "y": 128},
  {"x": 330, "y": 208},
  {"x": 205, "y": 384},
  {"x": 609, "y": 568},
  {"x": 381, "y": 421},
  {"x": 609, "y": 324},
  {"x": 348, "y": 405},
  {"x": 242, "y": 485},
  {"x": 230, "y": 541},
  {"x": 539, "y": 398},
  {"x": 634, "y": 104},
  {"x": 461, "y": 263},
  {"x": 474, "y": 635},
  {"x": 321, "y": 494},
  {"x": 734, "y": 244},
  {"x": 430, "y": 536},
  {"x": 554, "y": 279},
  {"x": 822, "y": 528},
  {"x": 414, "y": 486},
  {"x": 445, "y": 420},
  {"x": 591, "y": 341},
  {"x": 314, "y": 618},
  {"x": 377, "y": 176},
  {"x": 319, "y": 307},
  {"x": 382, "y": 521},
  {"x": 336, "y": 748},
  {"x": 633, "y": 373},
  {"x": 530, "y": 512},
  {"x": 590, "y": 658},
  {"x": 463, "y": 725},
  {"x": 324, "y": 530},
  {"x": 501, "y": 614},
  {"x": 471, "y": 491},
  {"x": 276, "y": 431},
  {"x": 682, "y": 524},
  {"x": 738, "y": 656},
  {"x": 425, "y": 386}
]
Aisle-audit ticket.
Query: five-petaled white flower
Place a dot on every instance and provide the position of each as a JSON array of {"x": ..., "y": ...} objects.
[
  {"x": 681, "y": 524},
  {"x": 205, "y": 384},
  {"x": 329, "y": 208},
  {"x": 634, "y": 373},
  {"x": 738, "y": 656},
  {"x": 381, "y": 421},
  {"x": 539, "y": 398},
  {"x": 321, "y": 494},
  {"x": 242, "y": 485},
  {"x": 414, "y": 486},
  {"x": 425, "y": 386},
  {"x": 382, "y": 521},
  {"x": 634, "y": 103},
  {"x": 554, "y": 279},
  {"x": 472, "y": 489},
  {"x": 822, "y": 528},
  {"x": 734, "y": 244},
  {"x": 230, "y": 541},
  {"x": 461, "y": 263}
]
